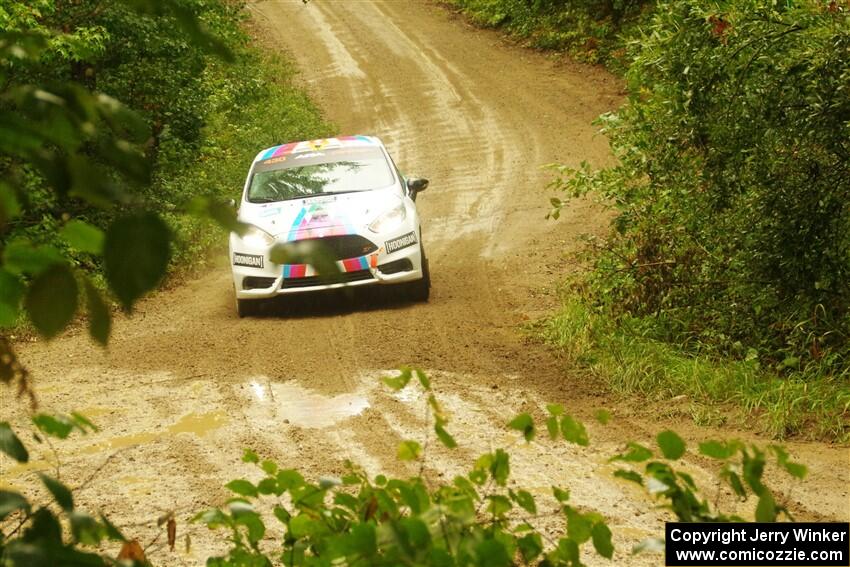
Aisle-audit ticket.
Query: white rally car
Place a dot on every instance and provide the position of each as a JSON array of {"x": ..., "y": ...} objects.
[{"x": 345, "y": 192}]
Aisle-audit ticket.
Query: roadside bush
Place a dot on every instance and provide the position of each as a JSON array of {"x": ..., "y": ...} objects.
[
  {"x": 595, "y": 32},
  {"x": 87, "y": 178},
  {"x": 733, "y": 185}
]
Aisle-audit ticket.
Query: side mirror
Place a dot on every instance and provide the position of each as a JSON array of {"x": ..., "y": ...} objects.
[{"x": 416, "y": 185}]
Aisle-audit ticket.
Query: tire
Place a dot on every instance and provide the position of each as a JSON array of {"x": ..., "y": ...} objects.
[
  {"x": 420, "y": 290},
  {"x": 246, "y": 307}
]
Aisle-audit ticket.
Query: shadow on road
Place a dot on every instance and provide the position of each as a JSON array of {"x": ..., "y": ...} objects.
[{"x": 332, "y": 303}]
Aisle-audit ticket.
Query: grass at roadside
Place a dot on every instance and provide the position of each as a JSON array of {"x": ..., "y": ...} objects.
[
  {"x": 590, "y": 32},
  {"x": 626, "y": 362}
]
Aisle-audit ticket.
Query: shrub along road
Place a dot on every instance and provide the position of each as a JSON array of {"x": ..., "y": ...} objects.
[{"x": 185, "y": 384}]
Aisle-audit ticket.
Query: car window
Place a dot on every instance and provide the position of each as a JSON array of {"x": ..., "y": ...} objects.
[{"x": 320, "y": 172}]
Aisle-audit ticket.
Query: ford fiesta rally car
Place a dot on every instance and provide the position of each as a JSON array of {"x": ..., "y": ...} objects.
[{"x": 345, "y": 192}]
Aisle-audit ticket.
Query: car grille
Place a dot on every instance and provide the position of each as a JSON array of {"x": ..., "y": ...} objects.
[
  {"x": 310, "y": 281},
  {"x": 341, "y": 247},
  {"x": 396, "y": 266},
  {"x": 254, "y": 282}
]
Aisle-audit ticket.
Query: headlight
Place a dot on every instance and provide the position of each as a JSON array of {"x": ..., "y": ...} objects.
[
  {"x": 257, "y": 237},
  {"x": 389, "y": 220}
]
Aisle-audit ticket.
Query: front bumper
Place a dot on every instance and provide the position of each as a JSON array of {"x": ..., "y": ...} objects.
[{"x": 263, "y": 279}]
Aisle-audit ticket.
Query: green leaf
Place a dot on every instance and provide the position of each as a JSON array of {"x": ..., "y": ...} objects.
[
  {"x": 254, "y": 524},
  {"x": 796, "y": 470},
  {"x": 85, "y": 529},
  {"x": 629, "y": 475},
  {"x": 560, "y": 494},
  {"x": 753, "y": 471},
  {"x": 313, "y": 252},
  {"x": 555, "y": 409},
  {"x": 51, "y": 300},
  {"x": 524, "y": 423},
  {"x": 734, "y": 482},
  {"x": 100, "y": 318},
  {"x": 719, "y": 449},
  {"x": 289, "y": 479},
  {"x": 82, "y": 422},
  {"x": 492, "y": 553},
  {"x": 281, "y": 514},
  {"x": 363, "y": 540},
  {"x": 54, "y": 426},
  {"x": 500, "y": 467},
  {"x": 552, "y": 427},
  {"x": 11, "y": 501},
  {"x": 269, "y": 486},
  {"x": 220, "y": 212},
  {"x": 766, "y": 508},
  {"x": 637, "y": 453},
  {"x": 250, "y": 456},
  {"x": 9, "y": 206},
  {"x": 478, "y": 476},
  {"x": 423, "y": 379},
  {"x": 602, "y": 540},
  {"x": 525, "y": 500},
  {"x": 579, "y": 528},
  {"x": 530, "y": 546},
  {"x": 574, "y": 431},
  {"x": 136, "y": 254},
  {"x": 11, "y": 445},
  {"x": 400, "y": 381},
  {"x": 568, "y": 551},
  {"x": 83, "y": 236},
  {"x": 409, "y": 451},
  {"x": 671, "y": 445},
  {"x": 21, "y": 257},
  {"x": 59, "y": 492},
  {"x": 212, "y": 518},
  {"x": 499, "y": 505},
  {"x": 11, "y": 292},
  {"x": 445, "y": 437},
  {"x": 602, "y": 416},
  {"x": 269, "y": 467},
  {"x": 110, "y": 530},
  {"x": 242, "y": 487},
  {"x": 302, "y": 526}
]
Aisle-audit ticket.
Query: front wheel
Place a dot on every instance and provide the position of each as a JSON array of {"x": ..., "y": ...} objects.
[
  {"x": 246, "y": 307},
  {"x": 420, "y": 290}
]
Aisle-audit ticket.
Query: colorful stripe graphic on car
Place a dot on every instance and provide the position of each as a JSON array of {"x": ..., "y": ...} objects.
[
  {"x": 313, "y": 145},
  {"x": 315, "y": 222},
  {"x": 293, "y": 271}
]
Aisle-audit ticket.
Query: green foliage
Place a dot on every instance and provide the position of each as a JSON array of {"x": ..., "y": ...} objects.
[
  {"x": 621, "y": 353},
  {"x": 732, "y": 189},
  {"x": 742, "y": 470},
  {"x": 36, "y": 534},
  {"x": 100, "y": 193},
  {"x": 595, "y": 32}
]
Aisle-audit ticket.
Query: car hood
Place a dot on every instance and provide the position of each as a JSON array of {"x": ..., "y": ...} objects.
[{"x": 320, "y": 216}]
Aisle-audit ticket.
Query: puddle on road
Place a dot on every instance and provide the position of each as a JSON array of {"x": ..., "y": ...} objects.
[
  {"x": 302, "y": 407},
  {"x": 199, "y": 424}
]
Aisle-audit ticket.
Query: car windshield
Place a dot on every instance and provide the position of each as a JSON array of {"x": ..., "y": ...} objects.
[{"x": 339, "y": 170}]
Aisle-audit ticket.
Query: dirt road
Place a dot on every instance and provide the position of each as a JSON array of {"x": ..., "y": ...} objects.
[{"x": 185, "y": 385}]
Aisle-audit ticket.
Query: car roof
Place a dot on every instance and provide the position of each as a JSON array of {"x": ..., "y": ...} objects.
[{"x": 319, "y": 144}]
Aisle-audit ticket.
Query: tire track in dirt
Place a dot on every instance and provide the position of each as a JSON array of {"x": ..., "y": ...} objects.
[{"x": 185, "y": 385}]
